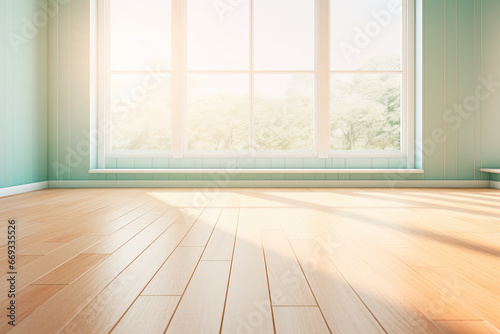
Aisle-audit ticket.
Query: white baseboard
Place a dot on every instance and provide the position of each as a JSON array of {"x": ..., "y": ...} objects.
[
  {"x": 495, "y": 184},
  {"x": 246, "y": 184},
  {"x": 267, "y": 184},
  {"x": 23, "y": 188}
]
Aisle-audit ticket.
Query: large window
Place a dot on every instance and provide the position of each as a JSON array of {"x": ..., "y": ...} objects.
[
  {"x": 368, "y": 71},
  {"x": 311, "y": 78},
  {"x": 138, "y": 79}
]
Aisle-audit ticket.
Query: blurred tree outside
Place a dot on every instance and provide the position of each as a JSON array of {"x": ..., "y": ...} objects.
[{"x": 365, "y": 115}]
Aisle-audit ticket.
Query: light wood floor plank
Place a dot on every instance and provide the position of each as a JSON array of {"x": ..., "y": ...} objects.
[
  {"x": 362, "y": 258},
  {"x": 112, "y": 242},
  {"x": 475, "y": 263},
  {"x": 343, "y": 309},
  {"x": 221, "y": 244},
  {"x": 36, "y": 269},
  {"x": 202, "y": 229},
  {"x": 248, "y": 300},
  {"x": 144, "y": 220},
  {"x": 201, "y": 307},
  {"x": 71, "y": 270},
  {"x": 476, "y": 298},
  {"x": 495, "y": 237},
  {"x": 123, "y": 220},
  {"x": 21, "y": 260},
  {"x": 148, "y": 314},
  {"x": 174, "y": 275},
  {"x": 28, "y": 300},
  {"x": 466, "y": 327},
  {"x": 76, "y": 296},
  {"x": 286, "y": 279},
  {"x": 414, "y": 257},
  {"x": 299, "y": 320},
  {"x": 442, "y": 220},
  {"x": 43, "y": 248},
  {"x": 120, "y": 294},
  {"x": 293, "y": 225},
  {"x": 188, "y": 215}
]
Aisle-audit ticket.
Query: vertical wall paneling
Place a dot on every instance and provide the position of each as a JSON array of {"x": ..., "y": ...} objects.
[
  {"x": 217, "y": 163},
  {"x": 293, "y": 163},
  {"x": 477, "y": 82},
  {"x": 109, "y": 163},
  {"x": 177, "y": 163},
  {"x": 338, "y": 163},
  {"x": 9, "y": 101},
  {"x": 419, "y": 95},
  {"x": 361, "y": 163},
  {"x": 450, "y": 112},
  {"x": 3, "y": 86},
  {"x": 328, "y": 164},
  {"x": 160, "y": 163},
  {"x": 23, "y": 92},
  {"x": 194, "y": 163},
  {"x": 64, "y": 93},
  {"x": 53, "y": 93},
  {"x": 125, "y": 163},
  {"x": 262, "y": 163},
  {"x": 466, "y": 82},
  {"x": 491, "y": 91},
  {"x": 18, "y": 89},
  {"x": 277, "y": 163},
  {"x": 314, "y": 163},
  {"x": 380, "y": 163},
  {"x": 433, "y": 106},
  {"x": 249, "y": 163},
  {"x": 38, "y": 105},
  {"x": 145, "y": 163},
  {"x": 26, "y": 152},
  {"x": 18, "y": 110},
  {"x": 79, "y": 74}
]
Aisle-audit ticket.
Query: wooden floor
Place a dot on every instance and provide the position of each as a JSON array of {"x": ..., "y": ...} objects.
[{"x": 255, "y": 261}]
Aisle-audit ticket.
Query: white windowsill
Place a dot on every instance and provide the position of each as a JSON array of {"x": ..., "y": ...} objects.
[
  {"x": 490, "y": 170},
  {"x": 256, "y": 171}
]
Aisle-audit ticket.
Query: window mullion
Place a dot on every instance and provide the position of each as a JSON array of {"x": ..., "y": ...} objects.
[
  {"x": 323, "y": 77},
  {"x": 251, "y": 78},
  {"x": 178, "y": 70},
  {"x": 409, "y": 77},
  {"x": 102, "y": 82}
]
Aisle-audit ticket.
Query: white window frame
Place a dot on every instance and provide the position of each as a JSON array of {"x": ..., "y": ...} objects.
[
  {"x": 407, "y": 73},
  {"x": 321, "y": 72}
]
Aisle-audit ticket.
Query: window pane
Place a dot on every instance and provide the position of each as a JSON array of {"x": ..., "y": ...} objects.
[
  {"x": 218, "y": 112},
  {"x": 283, "y": 112},
  {"x": 284, "y": 34},
  {"x": 218, "y": 35},
  {"x": 365, "y": 112},
  {"x": 366, "y": 34},
  {"x": 139, "y": 36},
  {"x": 140, "y": 112}
]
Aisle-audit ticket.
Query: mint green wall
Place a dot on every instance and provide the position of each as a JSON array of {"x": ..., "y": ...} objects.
[
  {"x": 491, "y": 66},
  {"x": 456, "y": 142},
  {"x": 68, "y": 92},
  {"x": 23, "y": 94}
]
